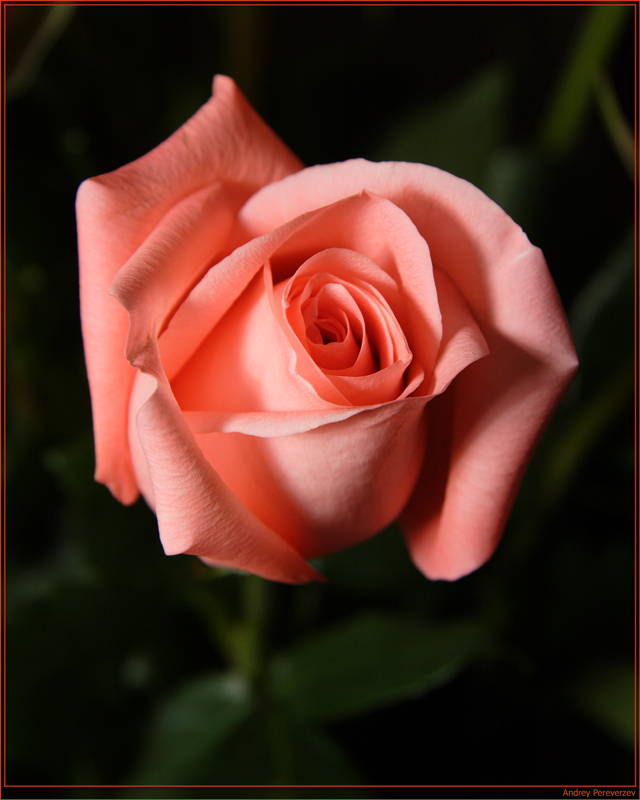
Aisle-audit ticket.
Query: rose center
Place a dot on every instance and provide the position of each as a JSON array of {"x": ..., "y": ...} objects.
[
  {"x": 336, "y": 312},
  {"x": 326, "y": 331},
  {"x": 333, "y": 323}
]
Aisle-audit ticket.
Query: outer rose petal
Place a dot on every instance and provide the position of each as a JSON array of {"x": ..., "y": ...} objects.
[
  {"x": 482, "y": 433},
  {"x": 197, "y": 513},
  {"x": 330, "y": 487},
  {"x": 226, "y": 142}
]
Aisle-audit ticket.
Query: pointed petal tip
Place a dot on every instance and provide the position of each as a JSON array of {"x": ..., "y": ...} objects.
[
  {"x": 222, "y": 82},
  {"x": 125, "y": 492}
]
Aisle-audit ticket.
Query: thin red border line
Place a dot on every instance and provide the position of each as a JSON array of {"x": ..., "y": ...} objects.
[
  {"x": 637, "y": 409},
  {"x": 637, "y": 534},
  {"x": 328, "y": 3},
  {"x": 324, "y": 3},
  {"x": 168, "y": 3},
  {"x": 3, "y": 69},
  {"x": 4, "y": 438},
  {"x": 636, "y": 416},
  {"x": 604, "y": 786}
]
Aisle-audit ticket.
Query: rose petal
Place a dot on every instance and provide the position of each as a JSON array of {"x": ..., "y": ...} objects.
[
  {"x": 462, "y": 341},
  {"x": 197, "y": 513},
  {"x": 245, "y": 364},
  {"x": 172, "y": 257},
  {"x": 224, "y": 141},
  {"x": 485, "y": 434},
  {"x": 294, "y": 242},
  {"x": 216, "y": 293}
]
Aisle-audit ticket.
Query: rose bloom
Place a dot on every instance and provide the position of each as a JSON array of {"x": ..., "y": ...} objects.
[{"x": 283, "y": 360}]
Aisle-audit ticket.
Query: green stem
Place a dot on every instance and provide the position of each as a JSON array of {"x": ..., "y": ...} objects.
[
  {"x": 41, "y": 44},
  {"x": 619, "y": 131},
  {"x": 239, "y": 635},
  {"x": 252, "y": 653},
  {"x": 209, "y": 607},
  {"x": 251, "y": 643},
  {"x": 570, "y": 102},
  {"x": 241, "y": 638}
]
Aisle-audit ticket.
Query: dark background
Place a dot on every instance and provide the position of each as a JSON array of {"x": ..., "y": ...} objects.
[{"x": 101, "y": 626}]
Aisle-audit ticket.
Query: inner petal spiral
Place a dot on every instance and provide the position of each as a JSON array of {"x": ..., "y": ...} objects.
[
  {"x": 335, "y": 329},
  {"x": 347, "y": 328}
]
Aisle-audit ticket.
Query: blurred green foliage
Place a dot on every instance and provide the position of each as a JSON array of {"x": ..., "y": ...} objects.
[{"x": 124, "y": 666}]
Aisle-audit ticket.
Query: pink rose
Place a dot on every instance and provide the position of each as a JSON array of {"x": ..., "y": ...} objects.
[{"x": 285, "y": 360}]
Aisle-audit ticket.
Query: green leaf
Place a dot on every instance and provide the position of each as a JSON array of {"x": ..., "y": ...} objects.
[
  {"x": 370, "y": 661},
  {"x": 602, "y": 323},
  {"x": 44, "y": 39},
  {"x": 587, "y": 426},
  {"x": 270, "y": 749},
  {"x": 605, "y": 693},
  {"x": 189, "y": 727},
  {"x": 319, "y": 760},
  {"x": 459, "y": 132},
  {"x": 602, "y": 392},
  {"x": 265, "y": 749}
]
